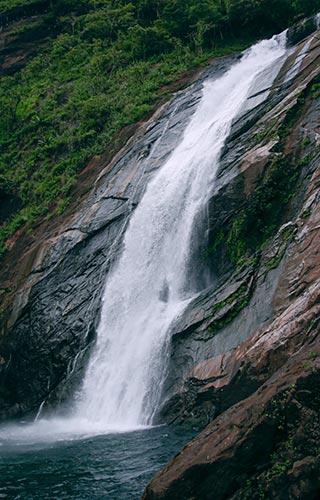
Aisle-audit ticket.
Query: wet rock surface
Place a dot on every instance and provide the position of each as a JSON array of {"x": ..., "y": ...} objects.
[
  {"x": 255, "y": 380},
  {"x": 244, "y": 298},
  {"x": 245, "y": 354},
  {"x": 51, "y": 300}
]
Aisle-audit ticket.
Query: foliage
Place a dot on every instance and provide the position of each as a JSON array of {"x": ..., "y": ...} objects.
[
  {"x": 264, "y": 210},
  {"x": 234, "y": 304},
  {"x": 101, "y": 67},
  {"x": 6, "y": 5}
]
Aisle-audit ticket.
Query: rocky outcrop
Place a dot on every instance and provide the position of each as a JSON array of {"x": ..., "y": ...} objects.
[
  {"x": 245, "y": 357},
  {"x": 266, "y": 445},
  {"x": 51, "y": 300},
  {"x": 261, "y": 197}
]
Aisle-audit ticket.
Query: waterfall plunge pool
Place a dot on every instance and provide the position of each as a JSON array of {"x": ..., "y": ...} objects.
[{"x": 110, "y": 466}]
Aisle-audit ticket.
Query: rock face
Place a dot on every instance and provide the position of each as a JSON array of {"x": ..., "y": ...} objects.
[
  {"x": 246, "y": 356},
  {"x": 264, "y": 447},
  {"x": 268, "y": 178},
  {"x": 51, "y": 299}
]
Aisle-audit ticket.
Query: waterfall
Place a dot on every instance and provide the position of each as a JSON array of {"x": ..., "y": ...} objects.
[{"x": 148, "y": 288}]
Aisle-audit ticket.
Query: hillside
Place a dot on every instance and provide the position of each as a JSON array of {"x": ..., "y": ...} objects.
[
  {"x": 75, "y": 73},
  {"x": 159, "y": 246}
]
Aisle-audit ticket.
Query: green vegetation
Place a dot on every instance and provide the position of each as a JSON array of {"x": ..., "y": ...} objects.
[
  {"x": 7, "y": 5},
  {"x": 240, "y": 293},
  {"x": 264, "y": 210},
  {"x": 100, "y": 66},
  {"x": 286, "y": 236},
  {"x": 313, "y": 355},
  {"x": 233, "y": 305}
]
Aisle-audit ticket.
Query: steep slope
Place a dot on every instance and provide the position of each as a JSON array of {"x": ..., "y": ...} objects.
[
  {"x": 244, "y": 356},
  {"x": 58, "y": 284},
  {"x": 245, "y": 359},
  {"x": 75, "y": 73}
]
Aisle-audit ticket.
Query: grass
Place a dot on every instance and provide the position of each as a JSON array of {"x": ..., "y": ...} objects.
[
  {"x": 98, "y": 66},
  {"x": 68, "y": 105}
]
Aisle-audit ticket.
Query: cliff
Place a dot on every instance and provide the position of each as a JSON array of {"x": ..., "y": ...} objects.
[
  {"x": 245, "y": 354},
  {"x": 245, "y": 357}
]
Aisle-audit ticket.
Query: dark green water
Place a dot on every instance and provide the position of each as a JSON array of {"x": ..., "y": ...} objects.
[{"x": 113, "y": 466}]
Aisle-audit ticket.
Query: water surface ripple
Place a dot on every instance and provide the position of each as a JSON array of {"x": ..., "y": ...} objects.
[{"x": 111, "y": 466}]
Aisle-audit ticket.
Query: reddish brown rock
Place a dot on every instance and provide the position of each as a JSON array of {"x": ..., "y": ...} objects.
[
  {"x": 251, "y": 440},
  {"x": 264, "y": 395}
]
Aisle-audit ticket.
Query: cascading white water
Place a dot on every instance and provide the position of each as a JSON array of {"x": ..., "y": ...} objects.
[{"x": 148, "y": 288}]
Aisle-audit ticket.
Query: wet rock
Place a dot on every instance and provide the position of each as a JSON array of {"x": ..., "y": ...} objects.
[
  {"x": 221, "y": 318},
  {"x": 255, "y": 446},
  {"x": 302, "y": 29},
  {"x": 259, "y": 396},
  {"x": 48, "y": 329}
]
